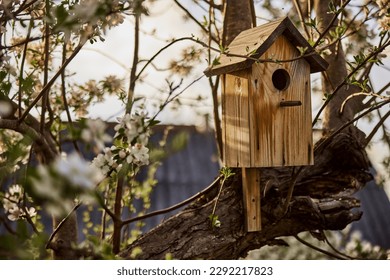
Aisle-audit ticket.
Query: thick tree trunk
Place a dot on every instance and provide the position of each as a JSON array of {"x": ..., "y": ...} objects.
[
  {"x": 335, "y": 75},
  {"x": 322, "y": 200},
  {"x": 238, "y": 16}
]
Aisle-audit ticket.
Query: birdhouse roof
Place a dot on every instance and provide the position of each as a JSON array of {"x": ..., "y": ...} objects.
[{"x": 250, "y": 44}]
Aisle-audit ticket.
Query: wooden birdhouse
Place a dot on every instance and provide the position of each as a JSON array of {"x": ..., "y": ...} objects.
[{"x": 266, "y": 104}]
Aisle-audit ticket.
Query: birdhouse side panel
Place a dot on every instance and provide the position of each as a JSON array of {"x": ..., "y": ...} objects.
[
  {"x": 297, "y": 121},
  {"x": 280, "y": 135},
  {"x": 235, "y": 120}
]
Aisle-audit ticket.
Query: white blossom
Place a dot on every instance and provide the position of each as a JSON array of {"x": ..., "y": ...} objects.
[
  {"x": 134, "y": 128},
  {"x": 122, "y": 154},
  {"x": 78, "y": 171},
  {"x": 86, "y": 9},
  {"x": 133, "y": 134},
  {"x": 384, "y": 15},
  {"x": 114, "y": 19},
  {"x": 105, "y": 162},
  {"x": 140, "y": 154},
  {"x": 12, "y": 202},
  {"x": 17, "y": 213},
  {"x": 14, "y": 214}
]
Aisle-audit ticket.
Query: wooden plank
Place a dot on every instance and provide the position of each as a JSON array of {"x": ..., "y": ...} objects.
[
  {"x": 252, "y": 198},
  {"x": 235, "y": 120},
  {"x": 259, "y": 39},
  {"x": 297, "y": 120},
  {"x": 265, "y": 129}
]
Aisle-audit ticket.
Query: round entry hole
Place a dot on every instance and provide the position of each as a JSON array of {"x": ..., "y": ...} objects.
[{"x": 281, "y": 79}]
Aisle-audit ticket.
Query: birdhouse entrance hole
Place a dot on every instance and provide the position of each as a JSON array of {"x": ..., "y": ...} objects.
[{"x": 281, "y": 79}]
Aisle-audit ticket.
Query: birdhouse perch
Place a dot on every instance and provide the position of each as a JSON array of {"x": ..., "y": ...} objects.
[{"x": 266, "y": 104}]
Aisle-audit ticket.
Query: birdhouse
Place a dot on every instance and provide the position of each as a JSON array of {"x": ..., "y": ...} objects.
[{"x": 266, "y": 101}]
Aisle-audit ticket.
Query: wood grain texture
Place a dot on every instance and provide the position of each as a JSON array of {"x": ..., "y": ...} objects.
[
  {"x": 257, "y": 131},
  {"x": 252, "y": 43},
  {"x": 252, "y": 198},
  {"x": 235, "y": 120}
]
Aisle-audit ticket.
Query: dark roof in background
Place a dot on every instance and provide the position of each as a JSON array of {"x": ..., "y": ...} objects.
[
  {"x": 183, "y": 173},
  {"x": 375, "y": 222}
]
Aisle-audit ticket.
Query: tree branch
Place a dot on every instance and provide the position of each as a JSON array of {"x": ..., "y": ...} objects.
[
  {"x": 190, "y": 15},
  {"x": 176, "y": 206},
  {"x": 322, "y": 200},
  {"x": 50, "y": 83}
]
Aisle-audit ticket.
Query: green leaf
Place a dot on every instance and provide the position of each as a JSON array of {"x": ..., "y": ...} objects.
[
  {"x": 302, "y": 50},
  {"x": 153, "y": 122},
  {"x": 205, "y": 21},
  {"x": 227, "y": 172},
  {"x": 216, "y": 61},
  {"x": 214, "y": 220}
]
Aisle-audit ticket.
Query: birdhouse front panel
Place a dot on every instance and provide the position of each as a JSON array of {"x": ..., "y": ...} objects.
[{"x": 267, "y": 111}]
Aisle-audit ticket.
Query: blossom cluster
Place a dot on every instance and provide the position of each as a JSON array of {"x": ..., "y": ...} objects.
[
  {"x": 78, "y": 171},
  {"x": 58, "y": 184},
  {"x": 70, "y": 171},
  {"x": 357, "y": 247},
  {"x": 130, "y": 140},
  {"x": 384, "y": 14},
  {"x": 14, "y": 205},
  {"x": 87, "y": 17}
]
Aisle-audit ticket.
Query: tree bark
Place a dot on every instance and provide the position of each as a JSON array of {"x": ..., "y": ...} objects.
[
  {"x": 238, "y": 16},
  {"x": 322, "y": 197},
  {"x": 335, "y": 75},
  {"x": 322, "y": 200}
]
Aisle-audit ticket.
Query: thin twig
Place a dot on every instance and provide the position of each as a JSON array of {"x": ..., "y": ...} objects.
[
  {"x": 64, "y": 99},
  {"x": 45, "y": 97},
  {"x": 301, "y": 18},
  {"x": 116, "y": 236},
  {"x": 174, "y": 207},
  {"x": 371, "y": 55},
  {"x": 359, "y": 94},
  {"x": 319, "y": 249},
  {"x": 335, "y": 249},
  {"x": 133, "y": 72},
  {"x": 333, "y": 134},
  {"x": 322, "y": 35},
  {"x": 293, "y": 181},
  {"x": 170, "y": 99},
  {"x": 217, "y": 119},
  {"x": 22, "y": 69},
  {"x": 190, "y": 15},
  {"x": 218, "y": 196},
  {"x": 159, "y": 52},
  {"x": 378, "y": 126},
  {"x": 50, "y": 83}
]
